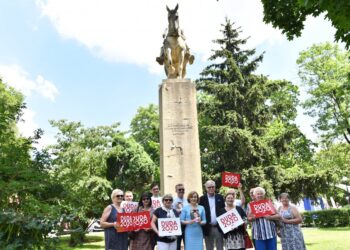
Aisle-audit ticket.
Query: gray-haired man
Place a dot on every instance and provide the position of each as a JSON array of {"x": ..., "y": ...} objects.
[{"x": 212, "y": 204}]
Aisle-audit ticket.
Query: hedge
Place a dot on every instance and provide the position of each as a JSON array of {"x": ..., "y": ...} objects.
[{"x": 327, "y": 218}]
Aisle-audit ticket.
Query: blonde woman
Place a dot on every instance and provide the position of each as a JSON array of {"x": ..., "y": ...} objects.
[{"x": 113, "y": 239}]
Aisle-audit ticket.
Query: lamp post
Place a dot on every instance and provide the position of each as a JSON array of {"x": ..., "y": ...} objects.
[{"x": 345, "y": 179}]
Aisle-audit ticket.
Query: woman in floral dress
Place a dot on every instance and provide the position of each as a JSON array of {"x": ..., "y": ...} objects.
[{"x": 291, "y": 235}]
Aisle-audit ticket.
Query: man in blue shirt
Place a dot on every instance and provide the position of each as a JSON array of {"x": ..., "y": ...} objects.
[{"x": 179, "y": 202}]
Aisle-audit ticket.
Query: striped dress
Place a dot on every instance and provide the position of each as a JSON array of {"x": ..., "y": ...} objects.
[{"x": 263, "y": 229}]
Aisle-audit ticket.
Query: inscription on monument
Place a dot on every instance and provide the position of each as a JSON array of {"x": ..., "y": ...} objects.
[{"x": 179, "y": 128}]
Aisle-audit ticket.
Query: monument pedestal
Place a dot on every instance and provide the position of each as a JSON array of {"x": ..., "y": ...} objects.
[{"x": 179, "y": 140}]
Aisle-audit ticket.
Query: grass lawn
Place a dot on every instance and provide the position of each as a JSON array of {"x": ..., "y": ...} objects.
[
  {"x": 316, "y": 239},
  {"x": 327, "y": 239}
]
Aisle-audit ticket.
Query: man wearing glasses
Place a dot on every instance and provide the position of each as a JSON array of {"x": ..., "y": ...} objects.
[
  {"x": 212, "y": 204},
  {"x": 179, "y": 203}
]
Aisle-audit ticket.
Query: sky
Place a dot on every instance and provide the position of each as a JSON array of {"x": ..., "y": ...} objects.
[{"x": 94, "y": 60}]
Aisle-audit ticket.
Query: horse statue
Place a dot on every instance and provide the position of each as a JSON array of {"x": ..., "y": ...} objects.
[{"x": 175, "y": 54}]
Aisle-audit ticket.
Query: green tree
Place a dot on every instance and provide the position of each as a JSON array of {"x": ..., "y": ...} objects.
[
  {"x": 335, "y": 158},
  {"x": 247, "y": 124},
  {"x": 145, "y": 130},
  {"x": 325, "y": 70},
  {"x": 234, "y": 114},
  {"x": 89, "y": 163},
  {"x": 290, "y": 15},
  {"x": 27, "y": 213}
]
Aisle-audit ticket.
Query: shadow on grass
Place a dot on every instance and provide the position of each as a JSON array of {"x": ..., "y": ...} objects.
[
  {"x": 90, "y": 247},
  {"x": 64, "y": 243},
  {"x": 308, "y": 244},
  {"x": 93, "y": 239},
  {"x": 335, "y": 229}
]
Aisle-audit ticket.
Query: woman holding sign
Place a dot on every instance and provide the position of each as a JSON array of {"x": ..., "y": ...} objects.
[
  {"x": 142, "y": 239},
  {"x": 193, "y": 216},
  {"x": 233, "y": 239},
  {"x": 165, "y": 224},
  {"x": 262, "y": 214},
  {"x": 114, "y": 240},
  {"x": 291, "y": 235}
]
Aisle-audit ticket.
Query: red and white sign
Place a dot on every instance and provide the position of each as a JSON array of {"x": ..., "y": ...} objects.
[
  {"x": 230, "y": 179},
  {"x": 156, "y": 202},
  {"x": 129, "y": 206},
  {"x": 262, "y": 208},
  {"x": 169, "y": 226},
  {"x": 229, "y": 220},
  {"x": 133, "y": 221}
]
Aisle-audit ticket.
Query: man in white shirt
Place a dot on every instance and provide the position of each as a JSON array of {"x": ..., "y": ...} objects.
[
  {"x": 128, "y": 204},
  {"x": 212, "y": 204},
  {"x": 156, "y": 198}
]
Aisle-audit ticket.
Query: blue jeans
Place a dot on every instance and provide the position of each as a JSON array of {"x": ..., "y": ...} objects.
[{"x": 269, "y": 244}]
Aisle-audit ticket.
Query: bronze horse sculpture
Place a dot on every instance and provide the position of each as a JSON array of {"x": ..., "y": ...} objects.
[{"x": 175, "y": 54}]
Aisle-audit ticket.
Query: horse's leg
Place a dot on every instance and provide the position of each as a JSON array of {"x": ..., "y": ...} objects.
[
  {"x": 171, "y": 64},
  {"x": 168, "y": 67},
  {"x": 180, "y": 63},
  {"x": 168, "y": 56},
  {"x": 184, "y": 67}
]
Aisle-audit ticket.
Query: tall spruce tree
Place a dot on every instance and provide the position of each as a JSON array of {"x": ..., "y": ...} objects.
[
  {"x": 246, "y": 121},
  {"x": 233, "y": 110}
]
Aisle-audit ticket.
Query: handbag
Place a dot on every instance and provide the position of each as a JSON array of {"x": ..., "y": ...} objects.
[
  {"x": 247, "y": 241},
  {"x": 132, "y": 235}
]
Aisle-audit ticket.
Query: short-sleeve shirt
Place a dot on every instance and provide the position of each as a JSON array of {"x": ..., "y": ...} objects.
[
  {"x": 156, "y": 202},
  {"x": 177, "y": 200}
]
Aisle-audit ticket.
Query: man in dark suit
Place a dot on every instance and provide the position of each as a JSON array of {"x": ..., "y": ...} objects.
[{"x": 212, "y": 204}]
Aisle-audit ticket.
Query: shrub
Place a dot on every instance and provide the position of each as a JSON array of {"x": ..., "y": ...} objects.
[
  {"x": 327, "y": 218},
  {"x": 19, "y": 231}
]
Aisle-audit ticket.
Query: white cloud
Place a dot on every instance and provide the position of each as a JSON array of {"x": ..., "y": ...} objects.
[
  {"x": 131, "y": 31},
  {"x": 16, "y": 77},
  {"x": 27, "y": 125},
  {"x": 46, "y": 88}
]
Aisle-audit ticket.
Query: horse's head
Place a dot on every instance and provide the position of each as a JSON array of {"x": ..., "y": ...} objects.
[{"x": 173, "y": 20}]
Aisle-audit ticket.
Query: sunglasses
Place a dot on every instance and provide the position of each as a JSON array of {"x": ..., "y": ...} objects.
[
  {"x": 181, "y": 190},
  {"x": 168, "y": 199},
  {"x": 195, "y": 210},
  {"x": 119, "y": 196}
]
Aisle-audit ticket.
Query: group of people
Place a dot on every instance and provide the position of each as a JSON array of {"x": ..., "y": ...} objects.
[{"x": 198, "y": 216}]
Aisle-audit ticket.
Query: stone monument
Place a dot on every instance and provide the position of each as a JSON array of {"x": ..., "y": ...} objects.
[{"x": 179, "y": 140}]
